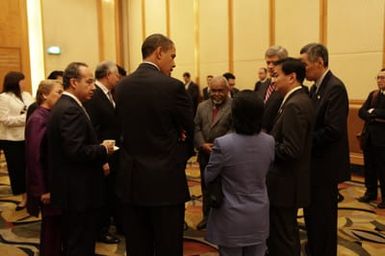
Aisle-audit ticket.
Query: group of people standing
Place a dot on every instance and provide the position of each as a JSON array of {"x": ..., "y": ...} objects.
[
  {"x": 275, "y": 150},
  {"x": 293, "y": 157}
]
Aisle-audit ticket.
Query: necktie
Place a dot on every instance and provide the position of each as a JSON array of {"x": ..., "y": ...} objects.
[
  {"x": 269, "y": 91},
  {"x": 109, "y": 96}
]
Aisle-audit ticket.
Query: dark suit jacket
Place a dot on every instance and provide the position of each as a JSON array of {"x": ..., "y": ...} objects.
[
  {"x": 260, "y": 87},
  {"x": 271, "y": 109},
  {"x": 193, "y": 92},
  {"x": 289, "y": 178},
  {"x": 75, "y": 158},
  {"x": 374, "y": 121},
  {"x": 206, "y": 94},
  {"x": 153, "y": 109},
  {"x": 330, "y": 150}
]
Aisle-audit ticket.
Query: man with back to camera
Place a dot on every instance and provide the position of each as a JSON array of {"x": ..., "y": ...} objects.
[
  {"x": 288, "y": 180},
  {"x": 213, "y": 119},
  {"x": 231, "y": 82},
  {"x": 156, "y": 118},
  {"x": 75, "y": 161},
  {"x": 192, "y": 90},
  {"x": 330, "y": 150}
]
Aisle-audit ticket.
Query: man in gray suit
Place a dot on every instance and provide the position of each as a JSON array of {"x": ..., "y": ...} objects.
[
  {"x": 288, "y": 181},
  {"x": 212, "y": 120}
]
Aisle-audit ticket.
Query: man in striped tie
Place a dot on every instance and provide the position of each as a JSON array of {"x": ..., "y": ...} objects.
[{"x": 271, "y": 98}]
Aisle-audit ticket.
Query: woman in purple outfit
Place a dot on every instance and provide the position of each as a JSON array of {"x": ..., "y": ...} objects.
[
  {"x": 48, "y": 93},
  {"x": 240, "y": 226}
]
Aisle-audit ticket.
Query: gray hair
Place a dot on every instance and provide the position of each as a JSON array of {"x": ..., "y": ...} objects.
[
  {"x": 276, "y": 50},
  {"x": 103, "y": 68},
  {"x": 315, "y": 51},
  {"x": 221, "y": 79}
]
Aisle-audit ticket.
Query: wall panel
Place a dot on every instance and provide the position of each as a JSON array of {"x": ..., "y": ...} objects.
[
  {"x": 135, "y": 35},
  {"x": 355, "y": 41},
  {"x": 155, "y": 16},
  {"x": 213, "y": 35}
]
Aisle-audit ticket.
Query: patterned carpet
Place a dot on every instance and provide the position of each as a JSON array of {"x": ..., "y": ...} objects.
[{"x": 361, "y": 226}]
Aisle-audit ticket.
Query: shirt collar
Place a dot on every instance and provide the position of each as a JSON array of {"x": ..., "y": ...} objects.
[
  {"x": 320, "y": 80},
  {"x": 151, "y": 63},
  {"x": 73, "y": 97},
  {"x": 290, "y": 93},
  {"x": 101, "y": 86}
]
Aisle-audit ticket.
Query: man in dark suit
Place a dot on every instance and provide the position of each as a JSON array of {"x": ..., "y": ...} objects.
[
  {"x": 156, "y": 121},
  {"x": 231, "y": 82},
  {"x": 288, "y": 180},
  {"x": 271, "y": 98},
  {"x": 206, "y": 90},
  {"x": 373, "y": 113},
  {"x": 330, "y": 150},
  {"x": 263, "y": 82},
  {"x": 213, "y": 119},
  {"x": 192, "y": 90},
  {"x": 75, "y": 162},
  {"x": 101, "y": 109}
]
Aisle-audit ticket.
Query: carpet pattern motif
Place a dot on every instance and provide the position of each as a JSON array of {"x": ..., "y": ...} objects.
[{"x": 361, "y": 227}]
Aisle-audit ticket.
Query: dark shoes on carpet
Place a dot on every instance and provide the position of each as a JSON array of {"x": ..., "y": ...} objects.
[
  {"x": 381, "y": 205},
  {"x": 367, "y": 198},
  {"x": 202, "y": 224},
  {"x": 108, "y": 238}
]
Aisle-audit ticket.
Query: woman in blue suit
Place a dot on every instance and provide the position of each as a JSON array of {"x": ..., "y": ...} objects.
[{"x": 240, "y": 226}]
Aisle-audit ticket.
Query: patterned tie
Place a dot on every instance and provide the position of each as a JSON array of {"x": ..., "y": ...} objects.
[
  {"x": 269, "y": 91},
  {"x": 109, "y": 96}
]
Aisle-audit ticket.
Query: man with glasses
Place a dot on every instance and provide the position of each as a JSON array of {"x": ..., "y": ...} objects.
[{"x": 373, "y": 113}]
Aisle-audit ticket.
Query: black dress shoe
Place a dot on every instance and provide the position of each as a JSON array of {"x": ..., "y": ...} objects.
[
  {"x": 381, "y": 205},
  {"x": 19, "y": 208},
  {"x": 202, "y": 224},
  {"x": 108, "y": 238},
  {"x": 367, "y": 198}
]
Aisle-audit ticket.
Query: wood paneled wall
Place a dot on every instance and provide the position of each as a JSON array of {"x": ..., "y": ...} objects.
[
  {"x": 14, "y": 53},
  {"x": 355, "y": 125}
]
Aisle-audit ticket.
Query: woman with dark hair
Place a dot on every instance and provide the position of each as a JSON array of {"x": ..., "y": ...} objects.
[
  {"x": 240, "y": 226},
  {"x": 47, "y": 95},
  {"x": 13, "y": 106}
]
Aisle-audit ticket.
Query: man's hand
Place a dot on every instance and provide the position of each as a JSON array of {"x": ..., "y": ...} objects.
[
  {"x": 207, "y": 148},
  {"x": 109, "y": 147},
  {"x": 45, "y": 198},
  {"x": 106, "y": 169}
]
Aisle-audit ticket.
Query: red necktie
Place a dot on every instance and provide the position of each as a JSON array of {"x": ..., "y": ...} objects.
[{"x": 269, "y": 91}]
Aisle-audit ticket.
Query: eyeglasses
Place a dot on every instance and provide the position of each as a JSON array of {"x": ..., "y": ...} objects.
[{"x": 380, "y": 78}]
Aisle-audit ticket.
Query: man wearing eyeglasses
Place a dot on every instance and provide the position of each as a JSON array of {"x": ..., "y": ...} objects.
[{"x": 373, "y": 113}]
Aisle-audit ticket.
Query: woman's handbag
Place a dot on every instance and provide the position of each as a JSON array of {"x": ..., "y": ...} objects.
[{"x": 215, "y": 194}]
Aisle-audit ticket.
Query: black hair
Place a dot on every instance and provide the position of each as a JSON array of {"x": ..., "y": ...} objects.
[
  {"x": 293, "y": 65},
  {"x": 11, "y": 83}
]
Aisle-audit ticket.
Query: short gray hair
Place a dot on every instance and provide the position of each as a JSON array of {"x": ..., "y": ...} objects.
[
  {"x": 315, "y": 51},
  {"x": 103, "y": 68},
  {"x": 220, "y": 79},
  {"x": 276, "y": 50}
]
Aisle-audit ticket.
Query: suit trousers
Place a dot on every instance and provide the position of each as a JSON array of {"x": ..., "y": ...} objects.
[
  {"x": 252, "y": 250},
  {"x": 50, "y": 235},
  {"x": 203, "y": 160},
  {"x": 284, "y": 237},
  {"x": 79, "y": 232},
  {"x": 14, "y": 152},
  {"x": 153, "y": 230},
  {"x": 321, "y": 221},
  {"x": 374, "y": 160}
]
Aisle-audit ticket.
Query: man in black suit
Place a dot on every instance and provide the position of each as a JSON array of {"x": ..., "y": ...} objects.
[
  {"x": 263, "y": 81},
  {"x": 373, "y": 113},
  {"x": 231, "y": 81},
  {"x": 270, "y": 96},
  {"x": 192, "y": 90},
  {"x": 206, "y": 90},
  {"x": 101, "y": 109},
  {"x": 330, "y": 150},
  {"x": 75, "y": 162},
  {"x": 156, "y": 120},
  {"x": 288, "y": 181}
]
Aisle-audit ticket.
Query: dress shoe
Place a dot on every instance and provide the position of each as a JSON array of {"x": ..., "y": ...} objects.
[
  {"x": 367, "y": 198},
  {"x": 340, "y": 197},
  {"x": 108, "y": 238},
  {"x": 202, "y": 224},
  {"x": 19, "y": 207},
  {"x": 381, "y": 205}
]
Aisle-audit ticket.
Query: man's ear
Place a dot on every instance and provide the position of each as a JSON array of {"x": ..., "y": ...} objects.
[
  {"x": 73, "y": 83},
  {"x": 158, "y": 52}
]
